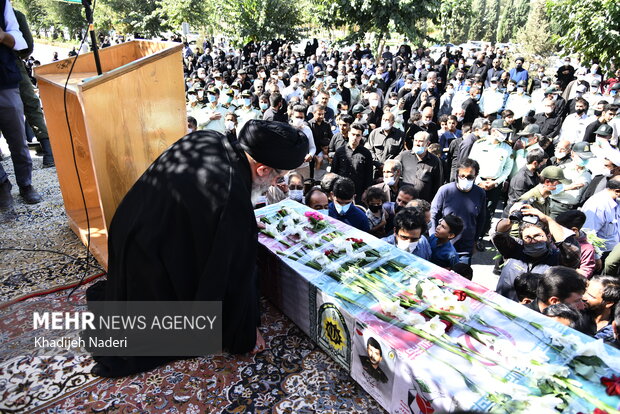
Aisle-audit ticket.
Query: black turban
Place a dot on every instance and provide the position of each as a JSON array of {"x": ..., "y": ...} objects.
[{"x": 275, "y": 144}]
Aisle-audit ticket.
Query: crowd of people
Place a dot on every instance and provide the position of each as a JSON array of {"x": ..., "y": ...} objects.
[{"x": 422, "y": 152}]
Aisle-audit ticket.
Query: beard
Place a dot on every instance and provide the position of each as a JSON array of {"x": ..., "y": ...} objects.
[{"x": 260, "y": 187}]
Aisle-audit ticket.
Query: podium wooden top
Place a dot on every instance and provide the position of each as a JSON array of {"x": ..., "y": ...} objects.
[
  {"x": 115, "y": 61},
  {"x": 59, "y": 79}
]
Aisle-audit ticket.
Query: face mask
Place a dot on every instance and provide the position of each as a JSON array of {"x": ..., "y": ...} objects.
[
  {"x": 342, "y": 209},
  {"x": 558, "y": 189},
  {"x": 406, "y": 245},
  {"x": 525, "y": 141},
  {"x": 460, "y": 118},
  {"x": 477, "y": 97},
  {"x": 519, "y": 90},
  {"x": 464, "y": 184},
  {"x": 385, "y": 125},
  {"x": 296, "y": 195},
  {"x": 501, "y": 137},
  {"x": 597, "y": 112},
  {"x": 579, "y": 161},
  {"x": 297, "y": 122},
  {"x": 202, "y": 75},
  {"x": 537, "y": 249},
  {"x": 364, "y": 81},
  {"x": 548, "y": 110},
  {"x": 613, "y": 93},
  {"x": 510, "y": 88},
  {"x": 602, "y": 142},
  {"x": 461, "y": 66},
  {"x": 325, "y": 212},
  {"x": 229, "y": 125},
  {"x": 418, "y": 150},
  {"x": 389, "y": 181},
  {"x": 393, "y": 101},
  {"x": 467, "y": 88},
  {"x": 264, "y": 105},
  {"x": 580, "y": 111},
  {"x": 374, "y": 209},
  {"x": 560, "y": 154},
  {"x": 229, "y": 99},
  {"x": 247, "y": 101},
  {"x": 373, "y": 102},
  {"x": 606, "y": 172},
  {"x": 211, "y": 98},
  {"x": 192, "y": 98}
]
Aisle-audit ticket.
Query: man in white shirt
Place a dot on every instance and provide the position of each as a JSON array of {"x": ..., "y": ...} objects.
[{"x": 575, "y": 124}]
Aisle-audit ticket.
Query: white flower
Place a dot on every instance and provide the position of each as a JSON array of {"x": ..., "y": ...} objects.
[
  {"x": 566, "y": 341},
  {"x": 332, "y": 267},
  {"x": 434, "y": 326},
  {"x": 314, "y": 254},
  {"x": 322, "y": 260},
  {"x": 463, "y": 309},
  {"x": 592, "y": 348},
  {"x": 390, "y": 307},
  {"x": 543, "y": 405},
  {"x": 431, "y": 292},
  {"x": 545, "y": 371},
  {"x": 341, "y": 243},
  {"x": 358, "y": 256},
  {"x": 515, "y": 391},
  {"x": 409, "y": 317},
  {"x": 288, "y": 222},
  {"x": 272, "y": 229},
  {"x": 296, "y": 216}
]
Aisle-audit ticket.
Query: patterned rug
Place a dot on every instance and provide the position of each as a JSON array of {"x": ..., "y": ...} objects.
[
  {"x": 291, "y": 376},
  {"x": 39, "y": 227}
]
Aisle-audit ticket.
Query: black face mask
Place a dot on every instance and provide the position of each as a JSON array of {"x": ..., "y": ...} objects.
[
  {"x": 580, "y": 111},
  {"x": 397, "y": 208},
  {"x": 375, "y": 208},
  {"x": 597, "y": 112}
]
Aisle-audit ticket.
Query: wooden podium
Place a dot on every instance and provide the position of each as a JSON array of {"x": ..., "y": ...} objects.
[{"x": 120, "y": 121}]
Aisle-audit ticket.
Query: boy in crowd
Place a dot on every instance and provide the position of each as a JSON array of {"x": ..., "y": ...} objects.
[{"x": 443, "y": 252}]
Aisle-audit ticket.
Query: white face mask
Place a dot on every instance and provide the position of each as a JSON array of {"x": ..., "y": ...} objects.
[
  {"x": 342, "y": 209},
  {"x": 297, "y": 122},
  {"x": 406, "y": 245},
  {"x": 373, "y": 102},
  {"x": 389, "y": 181},
  {"x": 606, "y": 172},
  {"x": 385, "y": 125},
  {"x": 229, "y": 125},
  {"x": 464, "y": 184},
  {"x": 296, "y": 195},
  {"x": 393, "y": 101},
  {"x": 501, "y": 137}
]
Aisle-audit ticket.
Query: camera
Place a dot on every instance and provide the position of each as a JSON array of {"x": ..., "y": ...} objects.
[{"x": 518, "y": 215}]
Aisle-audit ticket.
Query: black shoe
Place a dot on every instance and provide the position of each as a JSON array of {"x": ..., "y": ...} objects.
[
  {"x": 480, "y": 246},
  {"x": 6, "y": 199},
  {"x": 30, "y": 195},
  {"x": 48, "y": 161}
]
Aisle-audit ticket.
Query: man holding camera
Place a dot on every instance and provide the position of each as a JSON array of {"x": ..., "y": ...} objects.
[
  {"x": 552, "y": 182},
  {"x": 541, "y": 243}
]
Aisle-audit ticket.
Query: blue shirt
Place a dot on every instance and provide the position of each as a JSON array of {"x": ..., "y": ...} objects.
[
  {"x": 354, "y": 217},
  {"x": 422, "y": 250},
  {"x": 469, "y": 206},
  {"x": 443, "y": 255},
  {"x": 518, "y": 74},
  {"x": 603, "y": 216}
]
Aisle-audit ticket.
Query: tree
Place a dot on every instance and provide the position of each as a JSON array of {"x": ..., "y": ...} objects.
[
  {"x": 534, "y": 37},
  {"x": 380, "y": 17},
  {"x": 37, "y": 15},
  {"x": 589, "y": 28},
  {"x": 198, "y": 13},
  {"x": 257, "y": 20},
  {"x": 136, "y": 16},
  {"x": 454, "y": 17}
]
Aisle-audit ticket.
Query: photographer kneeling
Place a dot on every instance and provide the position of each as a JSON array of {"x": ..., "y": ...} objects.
[{"x": 541, "y": 243}]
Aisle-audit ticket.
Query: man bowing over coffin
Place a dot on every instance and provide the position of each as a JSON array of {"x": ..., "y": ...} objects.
[{"x": 186, "y": 231}]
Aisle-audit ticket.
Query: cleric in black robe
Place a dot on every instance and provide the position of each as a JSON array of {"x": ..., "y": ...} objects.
[{"x": 186, "y": 231}]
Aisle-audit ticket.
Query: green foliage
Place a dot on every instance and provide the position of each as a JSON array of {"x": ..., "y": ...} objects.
[
  {"x": 69, "y": 15},
  {"x": 534, "y": 37},
  {"x": 453, "y": 16},
  {"x": 247, "y": 20},
  {"x": 37, "y": 15},
  {"x": 136, "y": 16},
  {"x": 589, "y": 28},
  {"x": 380, "y": 17},
  {"x": 194, "y": 12}
]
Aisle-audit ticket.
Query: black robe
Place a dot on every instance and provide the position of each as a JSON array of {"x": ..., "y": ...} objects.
[{"x": 187, "y": 231}]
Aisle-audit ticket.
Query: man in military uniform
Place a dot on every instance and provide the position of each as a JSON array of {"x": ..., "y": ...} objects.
[
  {"x": 518, "y": 101},
  {"x": 245, "y": 111},
  {"x": 495, "y": 159},
  {"x": 373, "y": 360}
]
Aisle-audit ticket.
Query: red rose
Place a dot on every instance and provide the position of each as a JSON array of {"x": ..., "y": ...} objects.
[
  {"x": 460, "y": 295},
  {"x": 612, "y": 385},
  {"x": 329, "y": 252},
  {"x": 424, "y": 405},
  {"x": 599, "y": 411}
]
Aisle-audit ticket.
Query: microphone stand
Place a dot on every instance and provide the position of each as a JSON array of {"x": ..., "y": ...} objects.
[{"x": 93, "y": 38}]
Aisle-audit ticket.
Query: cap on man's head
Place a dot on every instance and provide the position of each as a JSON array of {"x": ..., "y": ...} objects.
[
  {"x": 213, "y": 90},
  {"x": 581, "y": 88},
  {"x": 614, "y": 157},
  {"x": 604, "y": 130},
  {"x": 230, "y": 92},
  {"x": 583, "y": 149},
  {"x": 275, "y": 144},
  {"x": 521, "y": 83},
  {"x": 530, "y": 129},
  {"x": 494, "y": 79},
  {"x": 520, "y": 59},
  {"x": 615, "y": 86},
  {"x": 554, "y": 173},
  {"x": 320, "y": 74},
  {"x": 595, "y": 82},
  {"x": 241, "y": 72},
  {"x": 360, "y": 109},
  {"x": 246, "y": 94},
  {"x": 499, "y": 125}
]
